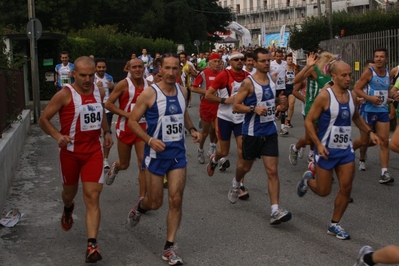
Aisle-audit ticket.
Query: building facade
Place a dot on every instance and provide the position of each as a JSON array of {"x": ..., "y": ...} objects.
[{"x": 252, "y": 14}]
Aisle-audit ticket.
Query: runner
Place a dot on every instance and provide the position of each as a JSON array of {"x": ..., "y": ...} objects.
[
  {"x": 126, "y": 93},
  {"x": 334, "y": 109},
  {"x": 81, "y": 116},
  {"x": 256, "y": 98},
  {"x": 164, "y": 106}
]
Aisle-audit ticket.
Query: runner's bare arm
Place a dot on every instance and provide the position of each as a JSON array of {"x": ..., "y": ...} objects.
[
  {"x": 320, "y": 104},
  {"x": 119, "y": 89},
  {"x": 59, "y": 100}
]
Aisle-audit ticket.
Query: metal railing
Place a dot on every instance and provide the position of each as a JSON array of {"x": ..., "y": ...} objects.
[
  {"x": 359, "y": 48},
  {"x": 12, "y": 96}
]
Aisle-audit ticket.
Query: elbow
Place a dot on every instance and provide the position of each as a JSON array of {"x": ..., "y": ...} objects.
[{"x": 107, "y": 105}]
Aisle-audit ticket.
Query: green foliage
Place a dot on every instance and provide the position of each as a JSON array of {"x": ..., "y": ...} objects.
[
  {"x": 107, "y": 42},
  {"x": 314, "y": 30},
  {"x": 181, "y": 21}
]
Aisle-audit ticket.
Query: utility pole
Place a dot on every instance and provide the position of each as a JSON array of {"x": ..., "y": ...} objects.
[
  {"x": 329, "y": 16},
  {"x": 319, "y": 9},
  {"x": 34, "y": 32}
]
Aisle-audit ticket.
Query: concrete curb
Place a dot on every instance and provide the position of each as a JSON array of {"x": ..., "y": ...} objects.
[{"x": 11, "y": 145}]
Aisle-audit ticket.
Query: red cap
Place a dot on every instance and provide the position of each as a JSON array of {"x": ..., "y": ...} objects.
[{"x": 214, "y": 56}]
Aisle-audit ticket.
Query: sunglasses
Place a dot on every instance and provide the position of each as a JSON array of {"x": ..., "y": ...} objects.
[{"x": 236, "y": 59}]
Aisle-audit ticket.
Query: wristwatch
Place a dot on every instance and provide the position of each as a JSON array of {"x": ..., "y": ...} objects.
[{"x": 252, "y": 108}]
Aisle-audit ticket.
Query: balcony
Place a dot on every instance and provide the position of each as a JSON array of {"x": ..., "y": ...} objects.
[
  {"x": 272, "y": 26},
  {"x": 271, "y": 8}
]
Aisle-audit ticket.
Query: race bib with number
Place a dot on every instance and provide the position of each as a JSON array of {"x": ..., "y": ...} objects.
[
  {"x": 172, "y": 127},
  {"x": 65, "y": 80},
  {"x": 383, "y": 95},
  {"x": 340, "y": 137},
  {"x": 142, "y": 119},
  {"x": 91, "y": 116},
  {"x": 271, "y": 109}
]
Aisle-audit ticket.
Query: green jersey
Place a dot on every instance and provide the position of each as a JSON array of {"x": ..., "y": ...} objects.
[{"x": 313, "y": 88}]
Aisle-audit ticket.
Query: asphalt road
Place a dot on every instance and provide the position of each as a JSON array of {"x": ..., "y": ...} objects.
[{"x": 213, "y": 231}]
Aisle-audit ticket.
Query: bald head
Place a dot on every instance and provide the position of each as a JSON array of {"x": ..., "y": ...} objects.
[
  {"x": 84, "y": 74},
  {"x": 135, "y": 61},
  {"x": 341, "y": 74},
  {"x": 338, "y": 66},
  {"x": 84, "y": 61}
]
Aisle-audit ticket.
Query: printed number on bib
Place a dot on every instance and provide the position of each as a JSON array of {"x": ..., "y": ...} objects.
[
  {"x": 271, "y": 110},
  {"x": 65, "y": 81},
  {"x": 91, "y": 116},
  {"x": 383, "y": 95},
  {"x": 172, "y": 127},
  {"x": 340, "y": 137}
]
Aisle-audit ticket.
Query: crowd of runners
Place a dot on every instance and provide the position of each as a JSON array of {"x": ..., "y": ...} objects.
[{"x": 249, "y": 93}]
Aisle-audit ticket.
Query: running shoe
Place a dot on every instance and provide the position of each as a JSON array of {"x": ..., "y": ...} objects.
[
  {"x": 302, "y": 188},
  {"x": 201, "y": 156},
  {"x": 92, "y": 253},
  {"x": 300, "y": 152},
  {"x": 106, "y": 164},
  {"x": 243, "y": 193},
  {"x": 288, "y": 124},
  {"x": 67, "y": 219},
  {"x": 134, "y": 215},
  {"x": 293, "y": 155},
  {"x": 361, "y": 166},
  {"x": 224, "y": 163},
  {"x": 310, "y": 158},
  {"x": 360, "y": 256},
  {"x": 210, "y": 168},
  {"x": 284, "y": 131},
  {"x": 233, "y": 195},
  {"x": 386, "y": 178},
  {"x": 337, "y": 231},
  {"x": 171, "y": 256},
  {"x": 110, "y": 177},
  {"x": 280, "y": 216}
]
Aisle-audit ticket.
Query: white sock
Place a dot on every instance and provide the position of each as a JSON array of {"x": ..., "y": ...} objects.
[
  {"x": 274, "y": 208},
  {"x": 295, "y": 149},
  {"x": 383, "y": 170},
  {"x": 200, "y": 150},
  {"x": 241, "y": 184},
  {"x": 311, "y": 153},
  {"x": 212, "y": 144},
  {"x": 235, "y": 183}
]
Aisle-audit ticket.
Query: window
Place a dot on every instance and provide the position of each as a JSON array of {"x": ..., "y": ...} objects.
[
  {"x": 238, "y": 9},
  {"x": 288, "y": 2}
]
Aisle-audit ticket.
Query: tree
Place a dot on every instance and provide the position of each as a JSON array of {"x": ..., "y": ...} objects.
[
  {"x": 314, "y": 30},
  {"x": 182, "y": 21}
]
